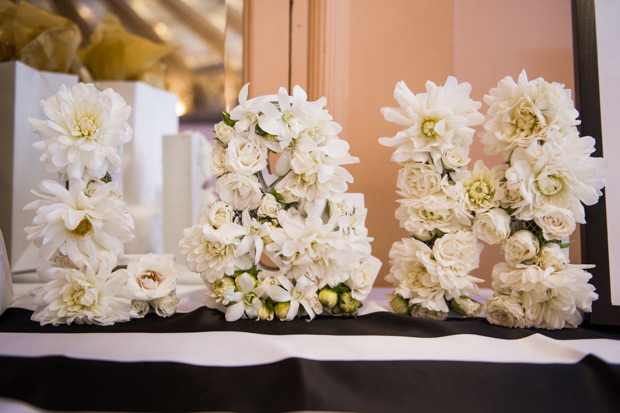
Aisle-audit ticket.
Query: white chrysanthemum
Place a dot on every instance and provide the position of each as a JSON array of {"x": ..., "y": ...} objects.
[
  {"x": 212, "y": 252},
  {"x": 480, "y": 189},
  {"x": 434, "y": 121},
  {"x": 526, "y": 112},
  {"x": 561, "y": 174},
  {"x": 152, "y": 276},
  {"x": 79, "y": 226},
  {"x": 82, "y": 297},
  {"x": 84, "y": 130}
]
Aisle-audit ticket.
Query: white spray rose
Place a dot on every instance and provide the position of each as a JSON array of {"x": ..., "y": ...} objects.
[
  {"x": 165, "y": 306},
  {"x": 219, "y": 214},
  {"x": 492, "y": 226},
  {"x": 520, "y": 247},
  {"x": 224, "y": 132},
  {"x": 505, "y": 310},
  {"x": 362, "y": 277},
  {"x": 556, "y": 223},
  {"x": 455, "y": 157},
  {"x": 139, "y": 308},
  {"x": 152, "y": 276},
  {"x": 218, "y": 160},
  {"x": 245, "y": 157},
  {"x": 551, "y": 256},
  {"x": 239, "y": 191},
  {"x": 269, "y": 206}
]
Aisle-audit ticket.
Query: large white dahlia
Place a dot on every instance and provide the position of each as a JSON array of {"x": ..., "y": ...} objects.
[{"x": 84, "y": 129}]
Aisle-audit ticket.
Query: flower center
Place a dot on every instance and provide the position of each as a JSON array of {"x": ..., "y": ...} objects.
[
  {"x": 254, "y": 230},
  {"x": 150, "y": 280},
  {"x": 428, "y": 128},
  {"x": 248, "y": 298},
  {"x": 549, "y": 185},
  {"x": 297, "y": 295},
  {"x": 479, "y": 191},
  {"x": 85, "y": 127},
  {"x": 528, "y": 121},
  {"x": 84, "y": 228},
  {"x": 287, "y": 116}
]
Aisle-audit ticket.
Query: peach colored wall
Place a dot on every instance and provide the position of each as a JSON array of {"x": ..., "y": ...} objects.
[{"x": 411, "y": 40}]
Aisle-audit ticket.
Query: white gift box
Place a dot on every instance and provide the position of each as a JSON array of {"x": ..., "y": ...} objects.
[
  {"x": 183, "y": 185},
  {"x": 153, "y": 115},
  {"x": 21, "y": 90}
]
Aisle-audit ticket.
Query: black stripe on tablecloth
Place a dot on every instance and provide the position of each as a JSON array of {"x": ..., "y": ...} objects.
[
  {"x": 17, "y": 320},
  {"x": 59, "y": 383}
]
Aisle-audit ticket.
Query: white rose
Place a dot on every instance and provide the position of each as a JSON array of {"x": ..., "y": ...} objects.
[
  {"x": 556, "y": 223},
  {"x": 218, "y": 160},
  {"x": 220, "y": 213},
  {"x": 139, "y": 308},
  {"x": 505, "y": 310},
  {"x": 245, "y": 157},
  {"x": 152, "y": 276},
  {"x": 457, "y": 252},
  {"x": 455, "y": 157},
  {"x": 551, "y": 256},
  {"x": 471, "y": 308},
  {"x": 424, "y": 235},
  {"x": 423, "y": 312},
  {"x": 165, "y": 306},
  {"x": 362, "y": 277},
  {"x": 492, "y": 226},
  {"x": 417, "y": 180},
  {"x": 224, "y": 132},
  {"x": 239, "y": 191},
  {"x": 269, "y": 206},
  {"x": 521, "y": 246}
]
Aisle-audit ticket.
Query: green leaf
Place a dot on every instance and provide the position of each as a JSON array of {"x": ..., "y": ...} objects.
[
  {"x": 566, "y": 244},
  {"x": 227, "y": 119},
  {"x": 107, "y": 178},
  {"x": 341, "y": 288},
  {"x": 279, "y": 197},
  {"x": 252, "y": 271},
  {"x": 456, "y": 306}
]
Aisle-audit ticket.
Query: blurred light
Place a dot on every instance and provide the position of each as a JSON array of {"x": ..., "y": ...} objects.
[
  {"x": 181, "y": 109},
  {"x": 84, "y": 11},
  {"x": 160, "y": 28}
]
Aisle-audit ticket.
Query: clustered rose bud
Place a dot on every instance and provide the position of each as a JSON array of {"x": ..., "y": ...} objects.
[
  {"x": 399, "y": 305},
  {"x": 328, "y": 297},
  {"x": 281, "y": 310}
]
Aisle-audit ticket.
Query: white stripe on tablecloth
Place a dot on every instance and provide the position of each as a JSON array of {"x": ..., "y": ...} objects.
[{"x": 230, "y": 349}]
